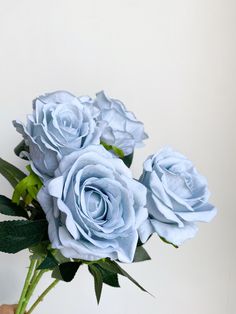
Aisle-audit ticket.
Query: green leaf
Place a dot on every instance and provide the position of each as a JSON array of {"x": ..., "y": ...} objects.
[
  {"x": 128, "y": 160},
  {"x": 27, "y": 188},
  {"x": 18, "y": 235},
  {"x": 108, "y": 265},
  {"x": 11, "y": 173},
  {"x": 7, "y": 207},
  {"x": 167, "y": 242},
  {"x": 57, "y": 274},
  {"x": 109, "y": 278},
  {"x": 141, "y": 255},
  {"x": 59, "y": 257},
  {"x": 98, "y": 281},
  {"x": 124, "y": 273},
  {"x": 66, "y": 271},
  {"x": 35, "y": 209},
  {"x": 40, "y": 250},
  {"x": 21, "y": 147},
  {"x": 114, "y": 267},
  {"x": 49, "y": 263},
  {"x": 119, "y": 152}
]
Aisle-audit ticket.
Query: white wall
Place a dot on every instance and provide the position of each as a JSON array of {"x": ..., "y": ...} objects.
[{"x": 173, "y": 64}]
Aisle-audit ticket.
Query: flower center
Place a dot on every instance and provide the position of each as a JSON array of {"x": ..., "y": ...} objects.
[
  {"x": 180, "y": 184},
  {"x": 96, "y": 205}
]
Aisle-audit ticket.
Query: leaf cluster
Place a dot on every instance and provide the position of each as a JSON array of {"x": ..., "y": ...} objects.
[{"x": 31, "y": 229}]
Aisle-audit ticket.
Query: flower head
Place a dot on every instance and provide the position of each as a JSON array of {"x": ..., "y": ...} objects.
[
  {"x": 59, "y": 125},
  {"x": 177, "y": 197},
  {"x": 93, "y": 206},
  {"x": 122, "y": 129}
]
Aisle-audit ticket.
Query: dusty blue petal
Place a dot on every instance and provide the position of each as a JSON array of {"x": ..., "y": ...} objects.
[
  {"x": 47, "y": 204},
  {"x": 145, "y": 230},
  {"x": 205, "y": 213},
  {"x": 172, "y": 233},
  {"x": 127, "y": 247},
  {"x": 156, "y": 206}
]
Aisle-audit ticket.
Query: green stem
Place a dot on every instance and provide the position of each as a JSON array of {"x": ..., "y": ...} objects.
[
  {"x": 41, "y": 297},
  {"x": 35, "y": 280},
  {"x": 26, "y": 285},
  {"x": 36, "y": 271}
]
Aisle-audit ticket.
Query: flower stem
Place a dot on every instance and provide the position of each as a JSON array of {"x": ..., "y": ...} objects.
[
  {"x": 26, "y": 285},
  {"x": 41, "y": 297},
  {"x": 35, "y": 280}
]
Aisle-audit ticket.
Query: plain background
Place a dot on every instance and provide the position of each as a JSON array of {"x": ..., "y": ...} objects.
[{"x": 173, "y": 64}]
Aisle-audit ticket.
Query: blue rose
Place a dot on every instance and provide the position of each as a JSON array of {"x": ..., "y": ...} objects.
[
  {"x": 123, "y": 130},
  {"x": 177, "y": 197},
  {"x": 93, "y": 206},
  {"x": 59, "y": 125}
]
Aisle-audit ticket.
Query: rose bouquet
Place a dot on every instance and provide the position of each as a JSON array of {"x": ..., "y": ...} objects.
[{"x": 79, "y": 204}]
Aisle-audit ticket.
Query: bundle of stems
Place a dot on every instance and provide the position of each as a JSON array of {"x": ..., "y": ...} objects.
[{"x": 32, "y": 279}]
